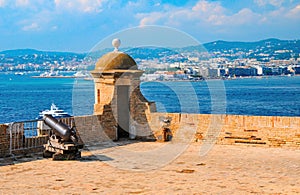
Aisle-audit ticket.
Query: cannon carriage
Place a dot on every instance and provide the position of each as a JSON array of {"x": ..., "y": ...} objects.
[{"x": 63, "y": 143}]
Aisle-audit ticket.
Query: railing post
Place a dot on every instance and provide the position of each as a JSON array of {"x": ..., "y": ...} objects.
[{"x": 10, "y": 139}]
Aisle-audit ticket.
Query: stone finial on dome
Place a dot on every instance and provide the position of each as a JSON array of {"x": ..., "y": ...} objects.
[
  {"x": 115, "y": 60},
  {"x": 116, "y": 43}
]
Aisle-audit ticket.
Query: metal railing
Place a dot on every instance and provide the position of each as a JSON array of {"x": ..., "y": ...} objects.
[{"x": 30, "y": 136}]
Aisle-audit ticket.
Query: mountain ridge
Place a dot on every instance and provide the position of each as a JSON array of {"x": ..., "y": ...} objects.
[
  {"x": 209, "y": 46},
  {"x": 263, "y": 50}
]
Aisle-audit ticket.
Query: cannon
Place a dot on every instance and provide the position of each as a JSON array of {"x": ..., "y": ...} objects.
[{"x": 63, "y": 143}]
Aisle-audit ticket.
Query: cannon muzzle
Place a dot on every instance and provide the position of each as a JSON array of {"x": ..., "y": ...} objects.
[{"x": 60, "y": 128}]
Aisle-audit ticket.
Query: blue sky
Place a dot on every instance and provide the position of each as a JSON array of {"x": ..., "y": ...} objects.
[{"x": 78, "y": 25}]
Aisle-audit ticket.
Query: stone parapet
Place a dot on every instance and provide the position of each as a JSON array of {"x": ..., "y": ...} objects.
[
  {"x": 4, "y": 141},
  {"x": 266, "y": 131},
  {"x": 272, "y": 131}
]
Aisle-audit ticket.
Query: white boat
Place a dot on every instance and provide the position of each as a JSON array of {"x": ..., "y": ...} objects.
[
  {"x": 81, "y": 74},
  {"x": 50, "y": 74},
  {"x": 19, "y": 73},
  {"x": 55, "y": 112}
]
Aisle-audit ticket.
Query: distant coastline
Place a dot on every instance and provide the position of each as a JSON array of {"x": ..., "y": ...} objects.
[
  {"x": 49, "y": 77},
  {"x": 170, "y": 80},
  {"x": 222, "y": 78},
  {"x": 144, "y": 78}
]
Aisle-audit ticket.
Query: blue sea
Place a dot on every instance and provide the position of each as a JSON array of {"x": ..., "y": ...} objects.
[{"x": 23, "y": 97}]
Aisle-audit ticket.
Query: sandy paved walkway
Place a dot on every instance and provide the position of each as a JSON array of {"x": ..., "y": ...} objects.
[{"x": 224, "y": 170}]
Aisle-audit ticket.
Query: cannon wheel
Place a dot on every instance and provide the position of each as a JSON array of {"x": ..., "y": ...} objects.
[
  {"x": 47, "y": 154},
  {"x": 59, "y": 156}
]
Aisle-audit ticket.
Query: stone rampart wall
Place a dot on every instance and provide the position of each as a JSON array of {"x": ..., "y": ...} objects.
[
  {"x": 268, "y": 131},
  {"x": 271, "y": 131}
]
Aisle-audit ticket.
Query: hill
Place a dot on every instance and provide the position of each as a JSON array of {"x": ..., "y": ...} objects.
[{"x": 263, "y": 50}]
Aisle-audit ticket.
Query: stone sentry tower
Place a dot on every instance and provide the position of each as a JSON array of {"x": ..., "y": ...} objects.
[{"x": 118, "y": 99}]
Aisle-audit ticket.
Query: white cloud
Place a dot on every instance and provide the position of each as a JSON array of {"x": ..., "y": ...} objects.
[
  {"x": 2, "y": 3},
  {"x": 41, "y": 21},
  {"x": 31, "y": 27},
  {"x": 22, "y": 3},
  {"x": 53, "y": 28},
  {"x": 262, "y": 3},
  {"x": 245, "y": 16},
  {"x": 220, "y": 18},
  {"x": 294, "y": 12},
  {"x": 157, "y": 4},
  {"x": 208, "y": 7},
  {"x": 33, "y": 5},
  {"x": 85, "y": 6},
  {"x": 203, "y": 12},
  {"x": 149, "y": 19},
  {"x": 211, "y": 19}
]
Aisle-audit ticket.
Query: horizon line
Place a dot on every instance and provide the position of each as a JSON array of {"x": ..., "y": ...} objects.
[{"x": 85, "y": 52}]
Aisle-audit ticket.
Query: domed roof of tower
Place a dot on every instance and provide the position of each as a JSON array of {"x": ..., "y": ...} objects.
[{"x": 116, "y": 60}]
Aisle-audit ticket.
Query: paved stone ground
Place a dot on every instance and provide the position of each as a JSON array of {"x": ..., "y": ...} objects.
[{"x": 158, "y": 168}]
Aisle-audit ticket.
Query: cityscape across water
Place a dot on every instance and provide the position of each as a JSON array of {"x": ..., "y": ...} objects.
[{"x": 23, "y": 97}]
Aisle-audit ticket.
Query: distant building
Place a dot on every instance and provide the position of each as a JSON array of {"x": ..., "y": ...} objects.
[
  {"x": 297, "y": 69},
  {"x": 213, "y": 73},
  {"x": 204, "y": 72},
  {"x": 242, "y": 71},
  {"x": 222, "y": 72},
  {"x": 259, "y": 70}
]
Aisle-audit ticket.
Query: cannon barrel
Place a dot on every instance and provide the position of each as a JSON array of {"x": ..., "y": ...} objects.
[{"x": 62, "y": 129}]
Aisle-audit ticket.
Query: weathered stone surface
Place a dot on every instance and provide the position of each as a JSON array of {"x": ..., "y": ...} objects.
[{"x": 273, "y": 131}]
